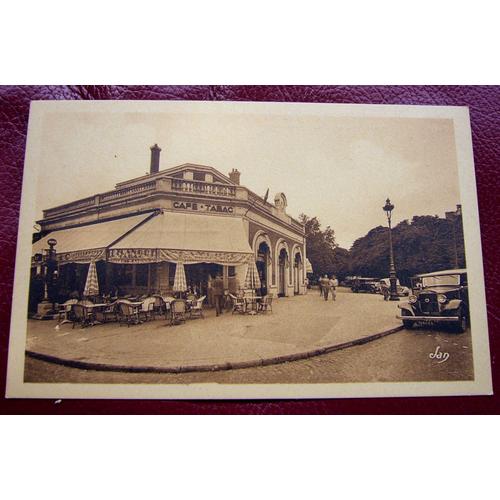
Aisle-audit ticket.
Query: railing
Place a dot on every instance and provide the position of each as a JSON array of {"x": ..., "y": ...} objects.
[
  {"x": 182, "y": 185},
  {"x": 99, "y": 199},
  {"x": 68, "y": 207},
  {"x": 122, "y": 193},
  {"x": 200, "y": 187}
]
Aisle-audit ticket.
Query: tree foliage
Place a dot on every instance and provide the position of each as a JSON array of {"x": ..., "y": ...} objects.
[
  {"x": 424, "y": 244},
  {"x": 322, "y": 251}
]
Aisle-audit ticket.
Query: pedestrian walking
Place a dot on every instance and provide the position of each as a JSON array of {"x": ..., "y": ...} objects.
[
  {"x": 218, "y": 292},
  {"x": 385, "y": 291},
  {"x": 323, "y": 285},
  {"x": 326, "y": 287},
  {"x": 333, "y": 287}
]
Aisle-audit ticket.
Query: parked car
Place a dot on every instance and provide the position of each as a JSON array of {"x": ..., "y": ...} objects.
[
  {"x": 403, "y": 291},
  {"x": 368, "y": 285},
  {"x": 440, "y": 297}
]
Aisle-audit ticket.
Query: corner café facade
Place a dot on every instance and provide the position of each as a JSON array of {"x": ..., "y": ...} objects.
[{"x": 189, "y": 214}]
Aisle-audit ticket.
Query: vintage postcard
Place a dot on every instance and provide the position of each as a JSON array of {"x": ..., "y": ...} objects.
[{"x": 248, "y": 250}]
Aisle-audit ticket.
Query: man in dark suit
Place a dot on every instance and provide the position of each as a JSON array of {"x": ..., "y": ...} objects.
[{"x": 218, "y": 288}]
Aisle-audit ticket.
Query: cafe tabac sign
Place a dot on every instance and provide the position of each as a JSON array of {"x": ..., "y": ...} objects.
[{"x": 195, "y": 206}]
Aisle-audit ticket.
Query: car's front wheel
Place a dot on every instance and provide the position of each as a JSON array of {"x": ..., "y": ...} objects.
[
  {"x": 407, "y": 324},
  {"x": 461, "y": 326}
]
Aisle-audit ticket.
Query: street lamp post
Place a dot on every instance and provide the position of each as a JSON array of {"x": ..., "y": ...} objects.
[
  {"x": 45, "y": 309},
  {"x": 388, "y": 208}
]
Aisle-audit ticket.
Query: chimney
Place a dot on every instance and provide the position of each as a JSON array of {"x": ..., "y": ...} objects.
[
  {"x": 234, "y": 175},
  {"x": 155, "y": 159}
]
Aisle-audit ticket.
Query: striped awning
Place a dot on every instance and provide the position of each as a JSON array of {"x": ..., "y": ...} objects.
[
  {"x": 88, "y": 242},
  {"x": 188, "y": 238}
]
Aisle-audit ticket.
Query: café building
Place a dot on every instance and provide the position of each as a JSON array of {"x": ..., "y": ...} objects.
[{"x": 190, "y": 215}]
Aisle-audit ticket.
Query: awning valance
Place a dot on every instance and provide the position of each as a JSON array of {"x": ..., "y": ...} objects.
[
  {"x": 187, "y": 238},
  {"x": 86, "y": 243}
]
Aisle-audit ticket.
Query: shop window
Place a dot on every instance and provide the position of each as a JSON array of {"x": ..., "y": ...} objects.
[
  {"x": 123, "y": 274},
  {"x": 154, "y": 276},
  {"x": 141, "y": 274},
  {"x": 171, "y": 274}
]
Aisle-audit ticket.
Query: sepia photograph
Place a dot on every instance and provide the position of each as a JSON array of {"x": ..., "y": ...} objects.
[
  {"x": 227, "y": 230},
  {"x": 248, "y": 250}
]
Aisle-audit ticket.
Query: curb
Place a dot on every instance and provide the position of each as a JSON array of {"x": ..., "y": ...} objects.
[{"x": 208, "y": 368}]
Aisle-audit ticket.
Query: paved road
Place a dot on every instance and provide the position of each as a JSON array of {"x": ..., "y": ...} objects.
[
  {"x": 402, "y": 357},
  {"x": 297, "y": 324}
]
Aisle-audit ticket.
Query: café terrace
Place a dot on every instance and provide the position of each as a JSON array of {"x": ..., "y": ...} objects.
[{"x": 190, "y": 215}]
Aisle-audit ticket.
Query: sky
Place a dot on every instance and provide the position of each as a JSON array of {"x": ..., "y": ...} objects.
[{"x": 338, "y": 168}]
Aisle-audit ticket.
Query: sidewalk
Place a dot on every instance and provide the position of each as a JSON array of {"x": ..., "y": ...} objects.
[{"x": 298, "y": 327}]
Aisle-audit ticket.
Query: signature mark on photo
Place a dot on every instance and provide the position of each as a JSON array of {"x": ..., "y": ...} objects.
[{"x": 439, "y": 355}]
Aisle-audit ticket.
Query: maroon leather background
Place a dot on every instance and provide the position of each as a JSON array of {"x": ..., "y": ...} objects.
[{"x": 484, "y": 104}]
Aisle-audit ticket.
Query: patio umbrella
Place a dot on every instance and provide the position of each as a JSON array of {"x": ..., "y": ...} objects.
[
  {"x": 252, "y": 279},
  {"x": 180, "y": 284},
  {"x": 309, "y": 267},
  {"x": 92, "y": 283}
]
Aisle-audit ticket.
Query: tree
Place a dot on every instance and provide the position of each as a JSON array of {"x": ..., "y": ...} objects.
[
  {"x": 322, "y": 251},
  {"x": 341, "y": 263},
  {"x": 425, "y": 244}
]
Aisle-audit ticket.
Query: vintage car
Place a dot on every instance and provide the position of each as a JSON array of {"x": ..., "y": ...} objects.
[
  {"x": 439, "y": 297},
  {"x": 403, "y": 291},
  {"x": 368, "y": 285}
]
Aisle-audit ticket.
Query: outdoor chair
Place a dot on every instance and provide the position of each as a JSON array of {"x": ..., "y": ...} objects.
[
  {"x": 107, "y": 314},
  {"x": 128, "y": 314},
  {"x": 238, "y": 304},
  {"x": 159, "y": 306},
  {"x": 197, "y": 308},
  {"x": 266, "y": 304},
  {"x": 65, "y": 312},
  {"x": 83, "y": 315},
  {"x": 147, "y": 309},
  {"x": 167, "y": 306},
  {"x": 178, "y": 311}
]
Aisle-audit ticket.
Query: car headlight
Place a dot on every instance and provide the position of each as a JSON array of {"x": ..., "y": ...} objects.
[
  {"x": 442, "y": 298},
  {"x": 412, "y": 299}
]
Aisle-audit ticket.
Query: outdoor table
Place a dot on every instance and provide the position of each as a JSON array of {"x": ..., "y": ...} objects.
[
  {"x": 135, "y": 305},
  {"x": 190, "y": 303},
  {"x": 101, "y": 307},
  {"x": 91, "y": 307},
  {"x": 251, "y": 304}
]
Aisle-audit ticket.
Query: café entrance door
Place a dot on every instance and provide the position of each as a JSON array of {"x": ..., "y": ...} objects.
[
  {"x": 283, "y": 258},
  {"x": 262, "y": 266}
]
